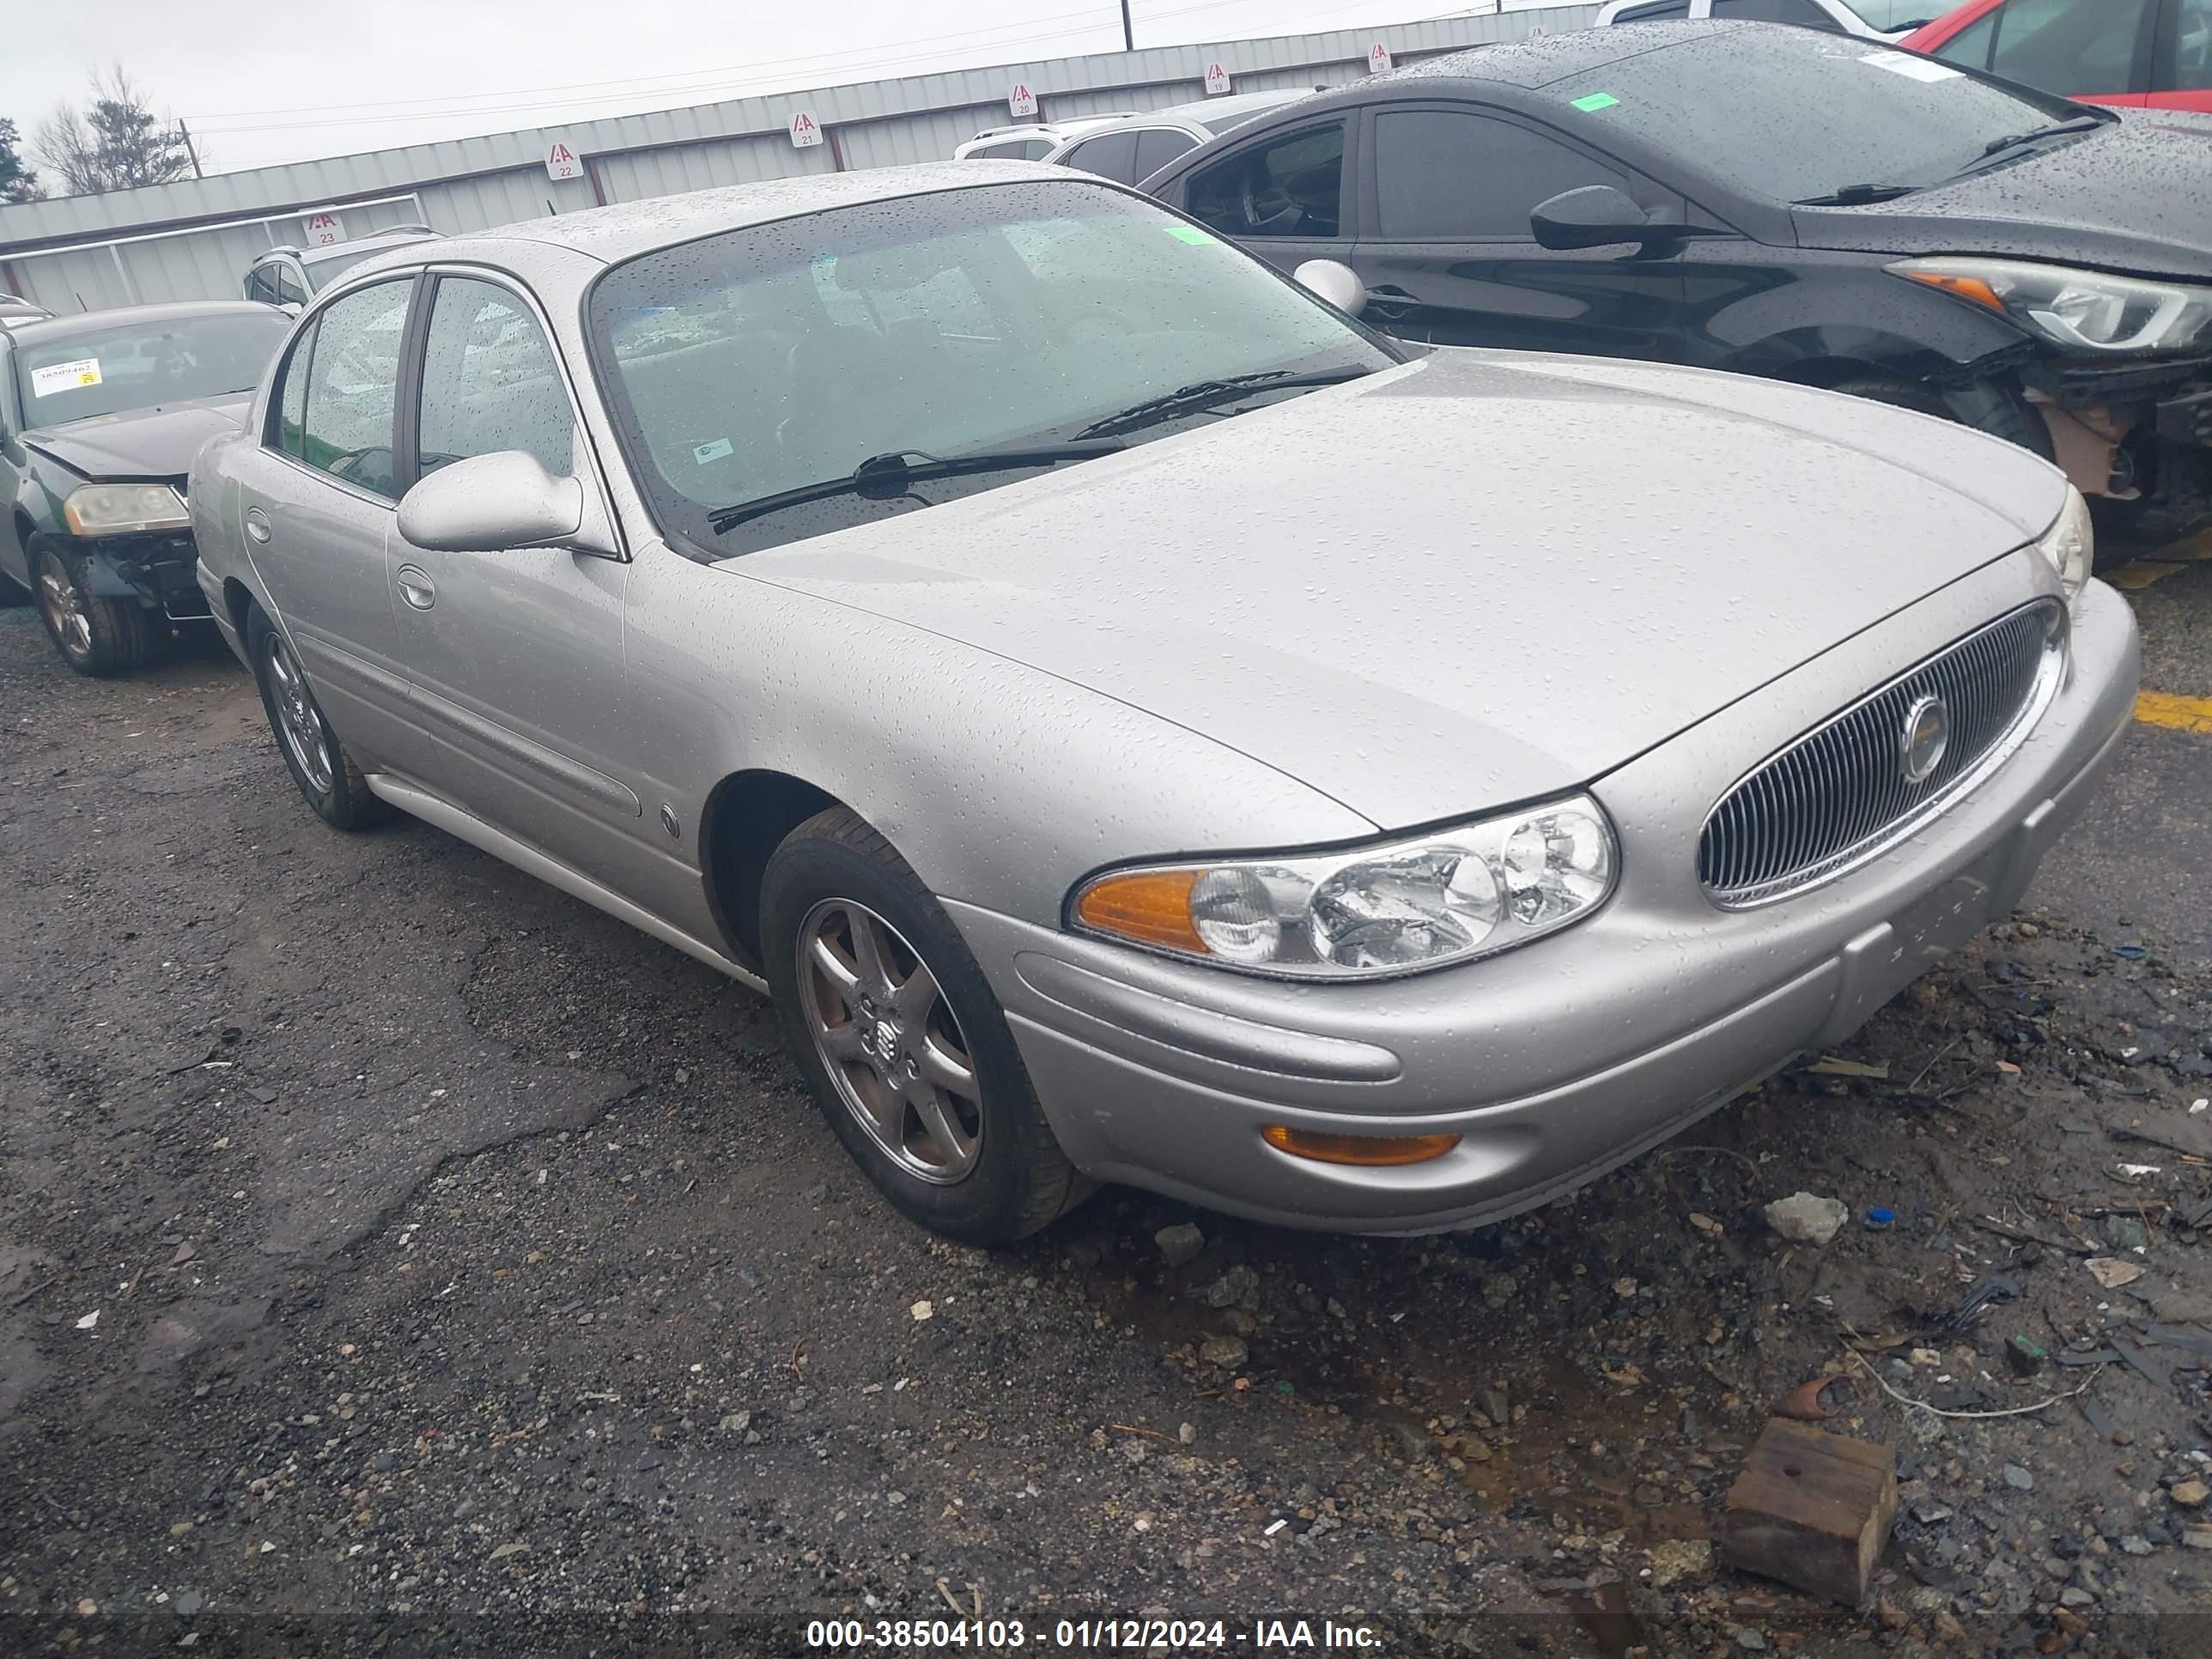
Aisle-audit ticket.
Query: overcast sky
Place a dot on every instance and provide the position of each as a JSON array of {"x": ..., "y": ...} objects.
[{"x": 261, "y": 83}]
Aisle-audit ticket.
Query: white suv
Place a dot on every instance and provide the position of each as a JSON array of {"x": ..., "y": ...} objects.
[
  {"x": 1877, "y": 19},
  {"x": 1032, "y": 140},
  {"x": 287, "y": 277}
]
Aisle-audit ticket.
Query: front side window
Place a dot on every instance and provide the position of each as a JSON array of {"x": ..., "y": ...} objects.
[
  {"x": 1111, "y": 155},
  {"x": 1156, "y": 147},
  {"x": 292, "y": 396},
  {"x": 491, "y": 382},
  {"x": 2068, "y": 46},
  {"x": 1797, "y": 115},
  {"x": 106, "y": 371},
  {"x": 1445, "y": 174},
  {"x": 1970, "y": 47},
  {"x": 2191, "y": 69},
  {"x": 1803, "y": 12},
  {"x": 350, "y": 417},
  {"x": 1013, "y": 149},
  {"x": 261, "y": 284},
  {"x": 1892, "y": 17},
  {"x": 290, "y": 290},
  {"x": 1658, "y": 12},
  {"x": 960, "y": 324},
  {"x": 1291, "y": 185}
]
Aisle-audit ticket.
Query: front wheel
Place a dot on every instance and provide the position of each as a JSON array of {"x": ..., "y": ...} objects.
[
  {"x": 98, "y": 637},
  {"x": 902, "y": 1041},
  {"x": 317, "y": 762}
]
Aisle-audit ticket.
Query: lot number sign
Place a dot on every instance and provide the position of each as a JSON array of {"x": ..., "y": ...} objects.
[
  {"x": 323, "y": 228},
  {"x": 1217, "y": 80},
  {"x": 562, "y": 163},
  {"x": 1021, "y": 101},
  {"x": 805, "y": 130},
  {"x": 1378, "y": 59}
]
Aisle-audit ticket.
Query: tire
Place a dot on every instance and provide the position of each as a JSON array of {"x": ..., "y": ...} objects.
[
  {"x": 1982, "y": 406},
  {"x": 990, "y": 1171},
  {"x": 320, "y": 764},
  {"x": 97, "y": 637}
]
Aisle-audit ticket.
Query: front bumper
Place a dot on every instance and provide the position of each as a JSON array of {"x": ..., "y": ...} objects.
[
  {"x": 1557, "y": 1061},
  {"x": 160, "y": 570}
]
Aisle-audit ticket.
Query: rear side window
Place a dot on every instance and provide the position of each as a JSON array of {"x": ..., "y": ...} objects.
[
  {"x": 1291, "y": 185},
  {"x": 1664, "y": 8},
  {"x": 1156, "y": 147},
  {"x": 1019, "y": 150},
  {"x": 1111, "y": 155},
  {"x": 290, "y": 290},
  {"x": 1803, "y": 12},
  {"x": 1445, "y": 174},
  {"x": 353, "y": 388},
  {"x": 261, "y": 284},
  {"x": 2190, "y": 67},
  {"x": 1970, "y": 47},
  {"x": 489, "y": 382}
]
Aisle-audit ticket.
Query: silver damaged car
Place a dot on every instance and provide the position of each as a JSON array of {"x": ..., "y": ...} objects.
[{"x": 1139, "y": 723}]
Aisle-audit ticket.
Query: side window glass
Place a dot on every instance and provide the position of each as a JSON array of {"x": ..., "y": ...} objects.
[
  {"x": 1156, "y": 147},
  {"x": 290, "y": 290},
  {"x": 1440, "y": 174},
  {"x": 261, "y": 284},
  {"x": 1970, "y": 47},
  {"x": 1111, "y": 155},
  {"x": 1287, "y": 186},
  {"x": 292, "y": 396},
  {"x": 489, "y": 382},
  {"x": 2069, "y": 46},
  {"x": 1776, "y": 11},
  {"x": 1664, "y": 8},
  {"x": 353, "y": 388},
  {"x": 2191, "y": 68}
]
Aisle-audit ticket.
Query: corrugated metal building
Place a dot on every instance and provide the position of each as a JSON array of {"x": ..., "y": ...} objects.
[{"x": 194, "y": 239}]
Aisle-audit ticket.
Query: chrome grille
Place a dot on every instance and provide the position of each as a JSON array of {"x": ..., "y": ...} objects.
[{"x": 1840, "y": 795}]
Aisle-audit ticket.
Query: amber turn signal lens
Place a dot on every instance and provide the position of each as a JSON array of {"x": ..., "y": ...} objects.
[
  {"x": 1372, "y": 1152},
  {"x": 1152, "y": 907},
  {"x": 1966, "y": 288}
]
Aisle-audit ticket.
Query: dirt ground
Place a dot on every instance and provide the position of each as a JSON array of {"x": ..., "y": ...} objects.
[{"x": 396, "y": 1256}]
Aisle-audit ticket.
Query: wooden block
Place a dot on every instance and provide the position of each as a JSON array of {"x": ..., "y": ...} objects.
[{"x": 1812, "y": 1509}]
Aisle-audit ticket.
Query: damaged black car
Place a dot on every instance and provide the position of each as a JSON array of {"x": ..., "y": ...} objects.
[{"x": 101, "y": 416}]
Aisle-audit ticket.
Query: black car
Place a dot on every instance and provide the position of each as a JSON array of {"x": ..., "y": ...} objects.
[
  {"x": 101, "y": 416},
  {"x": 1774, "y": 201}
]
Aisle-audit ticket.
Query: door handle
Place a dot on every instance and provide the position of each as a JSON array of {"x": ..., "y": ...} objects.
[
  {"x": 257, "y": 523},
  {"x": 416, "y": 586}
]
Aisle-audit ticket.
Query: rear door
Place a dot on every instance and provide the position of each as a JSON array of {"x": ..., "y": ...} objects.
[
  {"x": 316, "y": 498},
  {"x": 2096, "y": 50},
  {"x": 1448, "y": 255},
  {"x": 1283, "y": 194},
  {"x": 2181, "y": 71},
  {"x": 516, "y": 656}
]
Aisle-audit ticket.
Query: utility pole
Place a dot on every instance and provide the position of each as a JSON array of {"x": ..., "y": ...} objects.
[
  {"x": 190, "y": 150},
  {"x": 1129, "y": 34}
]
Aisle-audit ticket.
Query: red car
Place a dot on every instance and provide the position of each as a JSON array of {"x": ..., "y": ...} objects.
[{"x": 2154, "y": 54}]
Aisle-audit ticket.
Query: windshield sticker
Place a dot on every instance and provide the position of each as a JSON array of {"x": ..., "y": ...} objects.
[
  {"x": 1191, "y": 234},
  {"x": 703, "y": 454},
  {"x": 64, "y": 377},
  {"x": 1911, "y": 67},
  {"x": 1595, "y": 102}
]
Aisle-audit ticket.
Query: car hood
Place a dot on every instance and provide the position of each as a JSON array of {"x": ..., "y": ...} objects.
[
  {"x": 1470, "y": 581},
  {"x": 2128, "y": 197},
  {"x": 156, "y": 442}
]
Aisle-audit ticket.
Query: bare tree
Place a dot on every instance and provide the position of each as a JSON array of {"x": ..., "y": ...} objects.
[{"x": 116, "y": 143}]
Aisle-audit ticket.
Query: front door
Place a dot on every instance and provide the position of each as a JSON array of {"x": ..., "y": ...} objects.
[
  {"x": 315, "y": 502},
  {"x": 1449, "y": 258},
  {"x": 516, "y": 656}
]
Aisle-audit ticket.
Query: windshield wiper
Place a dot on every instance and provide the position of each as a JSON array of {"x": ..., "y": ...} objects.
[
  {"x": 1857, "y": 195},
  {"x": 2016, "y": 140},
  {"x": 1201, "y": 394},
  {"x": 887, "y": 476}
]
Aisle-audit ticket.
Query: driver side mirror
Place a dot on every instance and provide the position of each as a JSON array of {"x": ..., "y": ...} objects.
[
  {"x": 488, "y": 503},
  {"x": 1594, "y": 215},
  {"x": 1334, "y": 281}
]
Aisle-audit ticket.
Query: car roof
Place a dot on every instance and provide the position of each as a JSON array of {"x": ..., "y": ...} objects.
[
  {"x": 1545, "y": 58},
  {"x": 625, "y": 229},
  {"x": 374, "y": 242},
  {"x": 1200, "y": 111},
  {"x": 89, "y": 322}
]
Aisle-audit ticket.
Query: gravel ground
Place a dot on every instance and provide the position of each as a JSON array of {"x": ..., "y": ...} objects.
[{"x": 396, "y": 1256}]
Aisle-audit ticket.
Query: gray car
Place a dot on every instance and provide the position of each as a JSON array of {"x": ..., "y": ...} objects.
[{"x": 1354, "y": 789}]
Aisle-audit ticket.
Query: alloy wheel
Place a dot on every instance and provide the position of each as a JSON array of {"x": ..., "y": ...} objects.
[
  {"x": 298, "y": 721},
  {"x": 889, "y": 1042},
  {"x": 65, "y": 608}
]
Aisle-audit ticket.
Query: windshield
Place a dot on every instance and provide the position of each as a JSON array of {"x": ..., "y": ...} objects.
[
  {"x": 107, "y": 370},
  {"x": 993, "y": 318},
  {"x": 1790, "y": 114}
]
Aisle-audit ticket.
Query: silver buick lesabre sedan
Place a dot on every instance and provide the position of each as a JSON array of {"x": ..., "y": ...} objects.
[{"x": 1344, "y": 785}]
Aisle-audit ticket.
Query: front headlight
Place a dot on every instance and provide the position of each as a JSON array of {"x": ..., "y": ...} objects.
[
  {"x": 1422, "y": 901},
  {"x": 2070, "y": 544},
  {"x": 2080, "y": 310},
  {"x": 121, "y": 509}
]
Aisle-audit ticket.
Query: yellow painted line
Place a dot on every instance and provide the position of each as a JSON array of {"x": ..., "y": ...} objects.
[
  {"x": 2141, "y": 573},
  {"x": 2177, "y": 713}
]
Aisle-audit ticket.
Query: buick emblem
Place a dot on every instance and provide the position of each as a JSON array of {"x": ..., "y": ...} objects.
[{"x": 1927, "y": 734}]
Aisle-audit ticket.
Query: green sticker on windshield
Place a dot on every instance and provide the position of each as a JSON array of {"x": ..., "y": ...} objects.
[
  {"x": 1190, "y": 234},
  {"x": 1595, "y": 102}
]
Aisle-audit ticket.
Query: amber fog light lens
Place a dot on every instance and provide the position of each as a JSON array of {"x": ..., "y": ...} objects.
[{"x": 1371, "y": 1152}]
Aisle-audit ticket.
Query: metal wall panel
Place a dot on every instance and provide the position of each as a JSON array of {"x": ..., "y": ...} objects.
[{"x": 70, "y": 249}]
